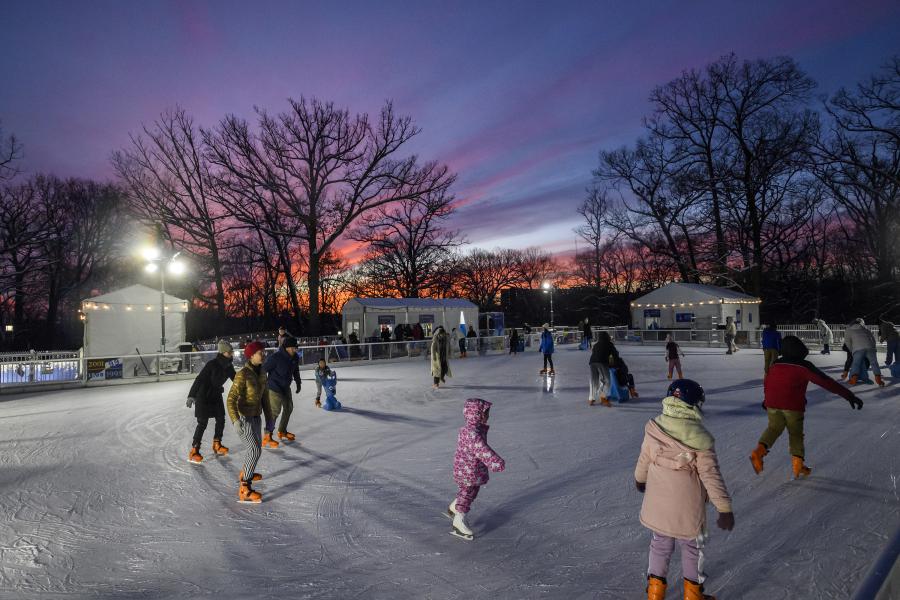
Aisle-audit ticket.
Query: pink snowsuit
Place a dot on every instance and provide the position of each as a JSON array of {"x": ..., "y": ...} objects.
[{"x": 473, "y": 455}]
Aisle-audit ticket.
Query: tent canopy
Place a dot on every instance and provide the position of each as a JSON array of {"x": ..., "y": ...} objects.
[
  {"x": 676, "y": 293},
  {"x": 127, "y": 321}
]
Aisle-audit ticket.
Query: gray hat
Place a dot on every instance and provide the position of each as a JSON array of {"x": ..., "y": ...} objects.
[{"x": 222, "y": 347}]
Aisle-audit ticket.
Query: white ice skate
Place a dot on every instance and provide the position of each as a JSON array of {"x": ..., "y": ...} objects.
[
  {"x": 461, "y": 528},
  {"x": 451, "y": 510}
]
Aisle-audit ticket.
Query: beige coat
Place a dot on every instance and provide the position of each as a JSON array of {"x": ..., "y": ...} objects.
[
  {"x": 440, "y": 343},
  {"x": 680, "y": 479}
]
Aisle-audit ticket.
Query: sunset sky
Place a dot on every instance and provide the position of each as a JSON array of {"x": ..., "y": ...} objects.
[{"x": 517, "y": 97}]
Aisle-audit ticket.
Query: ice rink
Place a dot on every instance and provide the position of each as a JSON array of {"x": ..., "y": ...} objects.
[{"x": 98, "y": 499}]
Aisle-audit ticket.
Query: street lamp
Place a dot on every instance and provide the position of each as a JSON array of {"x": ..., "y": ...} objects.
[
  {"x": 157, "y": 262},
  {"x": 548, "y": 289}
]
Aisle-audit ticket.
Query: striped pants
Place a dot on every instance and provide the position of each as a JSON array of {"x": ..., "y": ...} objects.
[{"x": 251, "y": 435}]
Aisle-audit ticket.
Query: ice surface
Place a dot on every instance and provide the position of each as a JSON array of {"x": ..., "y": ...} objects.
[{"x": 98, "y": 499}]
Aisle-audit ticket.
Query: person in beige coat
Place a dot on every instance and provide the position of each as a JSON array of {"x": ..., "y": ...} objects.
[
  {"x": 440, "y": 356},
  {"x": 678, "y": 472}
]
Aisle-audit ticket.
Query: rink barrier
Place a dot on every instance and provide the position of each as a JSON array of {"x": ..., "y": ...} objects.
[
  {"x": 883, "y": 579},
  {"x": 49, "y": 371}
]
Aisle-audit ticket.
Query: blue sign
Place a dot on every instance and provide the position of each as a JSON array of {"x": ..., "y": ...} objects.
[
  {"x": 684, "y": 317},
  {"x": 652, "y": 312},
  {"x": 426, "y": 318},
  {"x": 385, "y": 319}
]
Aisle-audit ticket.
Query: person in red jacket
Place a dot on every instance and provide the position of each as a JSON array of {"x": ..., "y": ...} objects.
[{"x": 785, "y": 403}]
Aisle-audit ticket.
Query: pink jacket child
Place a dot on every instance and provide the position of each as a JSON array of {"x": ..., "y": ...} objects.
[
  {"x": 472, "y": 461},
  {"x": 678, "y": 472}
]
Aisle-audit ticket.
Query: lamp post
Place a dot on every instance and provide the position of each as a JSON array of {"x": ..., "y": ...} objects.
[
  {"x": 548, "y": 289},
  {"x": 157, "y": 262}
]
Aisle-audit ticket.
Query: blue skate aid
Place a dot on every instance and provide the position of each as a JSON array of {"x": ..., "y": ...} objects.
[
  {"x": 617, "y": 392},
  {"x": 330, "y": 385}
]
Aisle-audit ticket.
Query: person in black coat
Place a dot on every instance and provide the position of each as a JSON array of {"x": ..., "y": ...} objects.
[
  {"x": 603, "y": 356},
  {"x": 206, "y": 398}
]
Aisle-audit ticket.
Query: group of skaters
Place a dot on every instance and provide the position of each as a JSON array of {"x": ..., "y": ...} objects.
[
  {"x": 677, "y": 469},
  {"x": 260, "y": 393}
]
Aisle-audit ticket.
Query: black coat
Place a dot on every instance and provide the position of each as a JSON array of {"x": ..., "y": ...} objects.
[
  {"x": 209, "y": 386},
  {"x": 602, "y": 351}
]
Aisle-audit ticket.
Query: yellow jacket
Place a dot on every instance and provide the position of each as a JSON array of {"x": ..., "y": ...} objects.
[{"x": 249, "y": 395}]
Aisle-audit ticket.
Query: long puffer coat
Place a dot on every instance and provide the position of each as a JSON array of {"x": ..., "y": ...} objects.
[{"x": 440, "y": 352}]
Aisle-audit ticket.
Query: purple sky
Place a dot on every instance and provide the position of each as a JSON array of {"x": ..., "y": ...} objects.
[{"x": 517, "y": 97}]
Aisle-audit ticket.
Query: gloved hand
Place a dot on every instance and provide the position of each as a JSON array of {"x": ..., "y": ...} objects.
[
  {"x": 190, "y": 402},
  {"x": 498, "y": 466},
  {"x": 725, "y": 521},
  {"x": 297, "y": 391},
  {"x": 641, "y": 487},
  {"x": 239, "y": 426},
  {"x": 855, "y": 402},
  {"x": 763, "y": 404}
]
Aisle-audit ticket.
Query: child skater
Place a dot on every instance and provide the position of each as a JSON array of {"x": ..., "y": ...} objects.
[
  {"x": 322, "y": 371},
  {"x": 677, "y": 472},
  {"x": 672, "y": 352},
  {"x": 785, "y": 402},
  {"x": 471, "y": 463}
]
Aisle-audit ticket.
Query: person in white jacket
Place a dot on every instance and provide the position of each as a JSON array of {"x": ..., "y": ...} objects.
[
  {"x": 826, "y": 337},
  {"x": 730, "y": 334},
  {"x": 861, "y": 344}
]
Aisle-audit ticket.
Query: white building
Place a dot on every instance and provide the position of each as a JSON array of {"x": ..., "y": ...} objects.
[
  {"x": 367, "y": 316},
  {"x": 693, "y": 305}
]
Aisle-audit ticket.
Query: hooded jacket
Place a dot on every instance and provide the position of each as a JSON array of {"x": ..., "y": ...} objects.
[
  {"x": 771, "y": 339},
  {"x": 473, "y": 456},
  {"x": 679, "y": 465},
  {"x": 785, "y": 385}
]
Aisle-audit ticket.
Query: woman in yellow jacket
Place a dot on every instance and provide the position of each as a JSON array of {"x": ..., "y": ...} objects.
[{"x": 247, "y": 399}]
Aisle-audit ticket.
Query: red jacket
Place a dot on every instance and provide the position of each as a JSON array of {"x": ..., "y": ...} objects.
[{"x": 785, "y": 385}]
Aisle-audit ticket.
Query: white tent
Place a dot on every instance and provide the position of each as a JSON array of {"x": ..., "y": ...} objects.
[
  {"x": 127, "y": 321},
  {"x": 687, "y": 305},
  {"x": 366, "y": 316}
]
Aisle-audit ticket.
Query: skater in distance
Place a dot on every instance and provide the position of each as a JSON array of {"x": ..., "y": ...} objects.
[{"x": 546, "y": 348}]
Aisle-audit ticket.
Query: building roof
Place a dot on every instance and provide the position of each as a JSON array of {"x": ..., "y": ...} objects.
[
  {"x": 420, "y": 303},
  {"x": 677, "y": 293},
  {"x": 135, "y": 295}
]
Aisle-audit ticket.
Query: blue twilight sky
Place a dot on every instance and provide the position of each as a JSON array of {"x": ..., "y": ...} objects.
[{"x": 517, "y": 97}]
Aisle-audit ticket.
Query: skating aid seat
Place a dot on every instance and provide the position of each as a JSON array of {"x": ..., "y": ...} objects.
[{"x": 617, "y": 392}]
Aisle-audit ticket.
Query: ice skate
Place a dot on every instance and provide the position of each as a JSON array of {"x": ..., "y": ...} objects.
[
  {"x": 287, "y": 436},
  {"x": 318, "y": 403},
  {"x": 551, "y": 372},
  {"x": 268, "y": 442},
  {"x": 543, "y": 371},
  {"x": 247, "y": 494},
  {"x": 854, "y": 379},
  {"x": 669, "y": 376},
  {"x": 461, "y": 528},
  {"x": 218, "y": 448},
  {"x": 604, "y": 401},
  {"x": 656, "y": 588},
  {"x": 799, "y": 469},
  {"x": 756, "y": 457},
  {"x": 694, "y": 591},
  {"x": 256, "y": 476},
  {"x": 879, "y": 380},
  {"x": 633, "y": 393},
  {"x": 591, "y": 402},
  {"x": 195, "y": 457},
  {"x": 451, "y": 510}
]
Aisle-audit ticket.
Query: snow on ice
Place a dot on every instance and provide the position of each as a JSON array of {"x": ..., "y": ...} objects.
[{"x": 98, "y": 498}]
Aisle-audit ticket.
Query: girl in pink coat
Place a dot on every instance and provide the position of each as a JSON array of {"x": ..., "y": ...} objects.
[
  {"x": 678, "y": 472},
  {"x": 471, "y": 464}
]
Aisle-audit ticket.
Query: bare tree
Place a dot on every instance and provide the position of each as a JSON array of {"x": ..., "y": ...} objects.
[
  {"x": 408, "y": 246},
  {"x": 764, "y": 109},
  {"x": 594, "y": 210},
  {"x": 21, "y": 234},
  {"x": 321, "y": 167},
  {"x": 534, "y": 266},
  {"x": 481, "y": 274},
  {"x": 10, "y": 152},
  {"x": 169, "y": 186}
]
